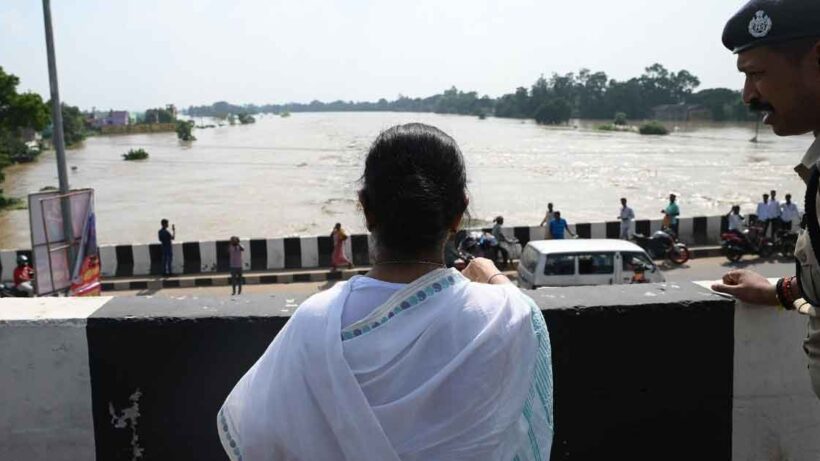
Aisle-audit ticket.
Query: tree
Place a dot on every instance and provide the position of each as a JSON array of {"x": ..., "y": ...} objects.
[
  {"x": 553, "y": 112},
  {"x": 74, "y": 129},
  {"x": 159, "y": 115},
  {"x": 19, "y": 114},
  {"x": 184, "y": 128}
]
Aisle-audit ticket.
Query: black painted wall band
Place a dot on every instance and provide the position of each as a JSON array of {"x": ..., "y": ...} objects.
[
  {"x": 613, "y": 229},
  {"x": 522, "y": 234},
  {"x": 700, "y": 230},
  {"x": 223, "y": 257},
  {"x": 361, "y": 249},
  {"x": 259, "y": 254},
  {"x": 643, "y": 226},
  {"x": 191, "y": 258},
  {"x": 293, "y": 253},
  {"x": 325, "y": 245},
  {"x": 155, "y": 256},
  {"x": 125, "y": 260},
  {"x": 584, "y": 231}
]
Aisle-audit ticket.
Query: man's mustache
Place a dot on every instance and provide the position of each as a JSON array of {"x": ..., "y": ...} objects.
[{"x": 759, "y": 106}]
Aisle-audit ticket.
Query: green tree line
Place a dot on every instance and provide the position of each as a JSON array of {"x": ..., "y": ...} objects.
[
  {"x": 554, "y": 100},
  {"x": 21, "y": 116}
]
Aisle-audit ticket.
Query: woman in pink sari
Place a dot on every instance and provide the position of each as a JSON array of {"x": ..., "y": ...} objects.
[{"x": 338, "y": 258}]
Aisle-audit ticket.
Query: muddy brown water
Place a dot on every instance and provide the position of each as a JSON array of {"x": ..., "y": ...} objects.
[{"x": 298, "y": 175}]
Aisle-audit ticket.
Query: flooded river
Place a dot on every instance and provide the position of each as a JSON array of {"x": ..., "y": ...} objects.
[{"x": 298, "y": 175}]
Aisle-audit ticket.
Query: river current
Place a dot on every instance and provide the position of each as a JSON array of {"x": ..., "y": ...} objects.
[{"x": 298, "y": 175}]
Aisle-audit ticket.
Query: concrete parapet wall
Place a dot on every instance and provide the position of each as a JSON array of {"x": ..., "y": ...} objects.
[
  {"x": 641, "y": 372},
  {"x": 312, "y": 252}
]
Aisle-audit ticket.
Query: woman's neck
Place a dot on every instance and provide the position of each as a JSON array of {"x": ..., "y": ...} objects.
[{"x": 388, "y": 268}]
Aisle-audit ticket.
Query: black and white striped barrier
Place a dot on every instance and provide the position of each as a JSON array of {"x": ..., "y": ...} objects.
[
  {"x": 314, "y": 252},
  {"x": 143, "y": 378}
]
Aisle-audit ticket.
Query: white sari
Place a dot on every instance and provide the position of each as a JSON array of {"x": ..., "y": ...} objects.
[{"x": 446, "y": 369}]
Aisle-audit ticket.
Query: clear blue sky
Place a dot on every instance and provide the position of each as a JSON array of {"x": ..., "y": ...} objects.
[{"x": 135, "y": 54}]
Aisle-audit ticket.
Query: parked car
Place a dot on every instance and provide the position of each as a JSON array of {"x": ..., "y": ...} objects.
[{"x": 553, "y": 263}]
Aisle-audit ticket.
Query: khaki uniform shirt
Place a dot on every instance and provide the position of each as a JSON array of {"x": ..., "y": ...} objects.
[{"x": 810, "y": 277}]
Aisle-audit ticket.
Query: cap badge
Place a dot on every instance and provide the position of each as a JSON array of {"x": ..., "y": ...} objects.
[{"x": 760, "y": 25}]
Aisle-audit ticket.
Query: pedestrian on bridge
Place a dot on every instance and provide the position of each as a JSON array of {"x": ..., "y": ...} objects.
[
  {"x": 235, "y": 250},
  {"x": 338, "y": 258},
  {"x": 626, "y": 216},
  {"x": 166, "y": 239}
]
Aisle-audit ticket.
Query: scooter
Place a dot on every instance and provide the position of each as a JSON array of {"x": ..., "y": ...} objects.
[
  {"x": 664, "y": 244},
  {"x": 8, "y": 290},
  {"x": 750, "y": 241}
]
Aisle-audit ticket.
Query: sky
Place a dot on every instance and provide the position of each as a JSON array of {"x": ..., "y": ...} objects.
[{"x": 136, "y": 54}]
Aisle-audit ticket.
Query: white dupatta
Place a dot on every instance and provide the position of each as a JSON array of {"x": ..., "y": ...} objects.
[{"x": 446, "y": 369}]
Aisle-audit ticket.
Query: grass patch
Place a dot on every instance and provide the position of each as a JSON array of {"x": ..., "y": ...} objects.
[
  {"x": 653, "y": 128},
  {"x": 138, "y": 154}
]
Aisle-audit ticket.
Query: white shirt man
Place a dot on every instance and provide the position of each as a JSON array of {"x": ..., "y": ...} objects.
[
  {"x": 735, "y": 222},
  {"x": 789, "y": 213},
  {"x": 763, "y": 209},
  {"x": 773, "y": 211},
  {"x": 626, "y": 216}
]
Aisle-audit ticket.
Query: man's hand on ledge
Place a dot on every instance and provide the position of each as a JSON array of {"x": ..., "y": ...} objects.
[{"x": 747, "y": 286}]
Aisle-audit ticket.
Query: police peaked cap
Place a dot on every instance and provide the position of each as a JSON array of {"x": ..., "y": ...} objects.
[{"x": 767, "y": 22}]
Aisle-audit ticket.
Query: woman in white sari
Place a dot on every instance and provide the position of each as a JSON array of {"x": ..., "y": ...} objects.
[{"x": 412, "y": 361}]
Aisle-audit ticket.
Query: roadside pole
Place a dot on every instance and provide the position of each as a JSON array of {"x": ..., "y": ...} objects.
[{"x": 57, "y": 135}]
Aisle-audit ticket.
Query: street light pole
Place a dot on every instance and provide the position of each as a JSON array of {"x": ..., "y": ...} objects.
[{"x": 57, "y": 135}]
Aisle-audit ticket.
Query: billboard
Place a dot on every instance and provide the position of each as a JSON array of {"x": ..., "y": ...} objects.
[{"x": 50, "y": 248}]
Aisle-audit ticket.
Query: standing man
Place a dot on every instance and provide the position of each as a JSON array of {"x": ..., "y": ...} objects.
[
  {"x": 774, "y": 213},
  {"x": 763, "y": 214},
  {"x": 672, "y": 212},
  {"x": 558, "y": 225},
  {"x": 789, "y": 213},
  {"x": 547, "y": 220},
  {"x": 626, "y": 216},
  {"x": 165, "y": 240},
  {"x": 778, "y": 48}
]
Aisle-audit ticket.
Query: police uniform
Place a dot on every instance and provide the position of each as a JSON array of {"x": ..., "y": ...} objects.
[{"x": 769, "y": 22}]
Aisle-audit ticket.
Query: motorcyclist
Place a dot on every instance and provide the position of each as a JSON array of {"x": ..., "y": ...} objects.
[
  {"x": 736, "y": 222},
  {"x": 23, "y": 276}
]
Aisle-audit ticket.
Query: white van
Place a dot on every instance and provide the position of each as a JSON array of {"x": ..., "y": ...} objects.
[{"x": 561, "y": 263}]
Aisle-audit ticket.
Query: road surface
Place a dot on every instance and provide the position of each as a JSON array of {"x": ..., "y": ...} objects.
[{"x": 695, "y": 270}]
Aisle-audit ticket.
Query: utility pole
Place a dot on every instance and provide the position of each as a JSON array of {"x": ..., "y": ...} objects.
[{"x": 57, "y": 136}]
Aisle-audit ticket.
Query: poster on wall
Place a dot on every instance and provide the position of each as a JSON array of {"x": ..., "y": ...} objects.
[{"x": 50, "y": 248}]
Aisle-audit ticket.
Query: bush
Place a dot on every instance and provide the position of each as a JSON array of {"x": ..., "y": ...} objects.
[
  {"x": 606, "y": 127},
  {"x": 184, "y": 128},
  {"x": 653, "y": 128},
  {"x": 246, "y": 119},
  {"x": 620, "y": 119},
  {"x": 138, "y": 154}
]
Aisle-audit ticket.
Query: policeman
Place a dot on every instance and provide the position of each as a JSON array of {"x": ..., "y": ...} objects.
[{"x": 777, "y": 43}]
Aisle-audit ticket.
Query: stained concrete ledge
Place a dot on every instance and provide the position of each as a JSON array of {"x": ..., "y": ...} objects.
[{"x": 640, "y": 372}]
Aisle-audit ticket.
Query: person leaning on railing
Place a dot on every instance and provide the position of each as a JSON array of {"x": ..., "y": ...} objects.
[
  {"x": 412, "y": 360},
  {"x": 777, "y": 43}
]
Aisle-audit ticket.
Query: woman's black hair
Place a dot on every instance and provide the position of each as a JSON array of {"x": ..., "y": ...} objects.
[{"x": 413, "y": 188}]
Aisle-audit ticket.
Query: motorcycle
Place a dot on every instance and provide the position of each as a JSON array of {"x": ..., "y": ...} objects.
[
  {"x": 750, "y": 241},
  {"x": 786, "y": 241},
  {"x": 664, "y": 244},
  {"x": 8, "y": 290}
]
